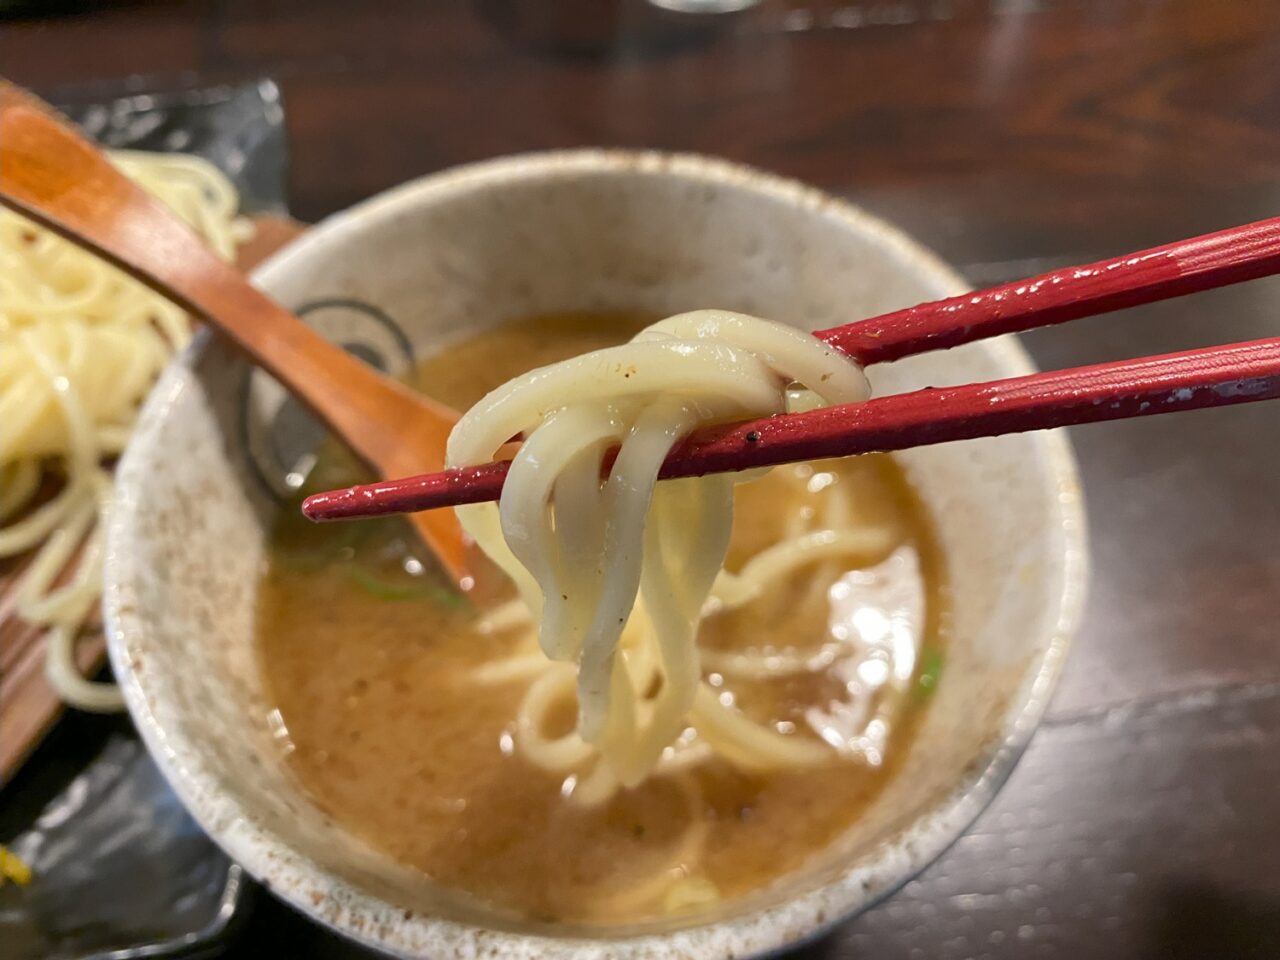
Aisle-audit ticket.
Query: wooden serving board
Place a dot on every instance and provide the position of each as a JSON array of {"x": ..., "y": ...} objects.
[{"x": 28, "y": 707}]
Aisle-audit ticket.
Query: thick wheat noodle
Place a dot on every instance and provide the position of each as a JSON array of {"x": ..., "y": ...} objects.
[
  {"x": 614, "y": 578},
  {"x": 80, "y": 346},
  {"x": 621, "y": 570}
]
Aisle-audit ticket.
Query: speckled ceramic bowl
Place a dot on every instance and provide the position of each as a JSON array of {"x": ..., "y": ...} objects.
[{"x": 570, "y": 231}]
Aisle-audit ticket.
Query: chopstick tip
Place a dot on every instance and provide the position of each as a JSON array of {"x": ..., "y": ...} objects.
[{"x": 314, "y": 507}]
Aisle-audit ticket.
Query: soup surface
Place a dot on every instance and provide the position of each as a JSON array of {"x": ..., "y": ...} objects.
[{"x": 388, "y": 719}]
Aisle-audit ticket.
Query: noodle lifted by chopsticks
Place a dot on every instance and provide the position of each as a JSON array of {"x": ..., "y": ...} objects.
[{"x": 617, "y": 572}]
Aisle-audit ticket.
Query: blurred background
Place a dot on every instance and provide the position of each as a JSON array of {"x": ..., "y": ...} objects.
[{"x": 1012, "y": 136}]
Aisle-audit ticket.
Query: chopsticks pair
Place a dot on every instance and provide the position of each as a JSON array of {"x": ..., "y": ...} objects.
[{"x": 1193, "y": 379}]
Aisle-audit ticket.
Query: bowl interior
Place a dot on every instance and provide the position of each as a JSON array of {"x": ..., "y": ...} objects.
[{"x": 584, "y": 231}]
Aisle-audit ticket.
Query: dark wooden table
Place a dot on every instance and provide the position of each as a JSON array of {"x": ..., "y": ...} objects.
[{"x": 1012, "y": 136}]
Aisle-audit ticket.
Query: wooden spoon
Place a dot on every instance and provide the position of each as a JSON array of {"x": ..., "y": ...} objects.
[{"x": 53, "y": 175}]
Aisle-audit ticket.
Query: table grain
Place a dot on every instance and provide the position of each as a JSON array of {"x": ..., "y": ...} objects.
[{"x": 1011, "y": 136}]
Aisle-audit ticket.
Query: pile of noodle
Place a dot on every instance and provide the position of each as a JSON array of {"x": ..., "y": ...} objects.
[
  {"x": 80, "y": 345},
  {"x": 615, "y": 571}
]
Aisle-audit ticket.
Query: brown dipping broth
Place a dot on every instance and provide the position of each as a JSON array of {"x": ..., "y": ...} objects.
[{"x": 367, "y": 655}]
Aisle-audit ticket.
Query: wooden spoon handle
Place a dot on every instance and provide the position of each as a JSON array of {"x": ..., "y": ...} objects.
[
  {"x": 58, "y": 179},
  {"x": 53, "y": 175}
]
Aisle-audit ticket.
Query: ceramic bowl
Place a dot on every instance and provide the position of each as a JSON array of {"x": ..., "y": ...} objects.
[{"x": 472, "y": 247}]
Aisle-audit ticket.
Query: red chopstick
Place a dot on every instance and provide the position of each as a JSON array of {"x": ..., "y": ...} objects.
[
  {"x": 1209, "y": 377},
  {"x": 1173, "y": 270},
  {"x": 1212, "y": 376}
]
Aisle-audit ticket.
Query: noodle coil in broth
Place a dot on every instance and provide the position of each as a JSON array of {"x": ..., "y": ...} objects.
[
  {"x": 599, "y": 561},
  {"x": 437, "y": 729}
]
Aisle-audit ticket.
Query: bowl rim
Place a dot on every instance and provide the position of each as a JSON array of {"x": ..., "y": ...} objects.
[{"x": 859, "y": 886}]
